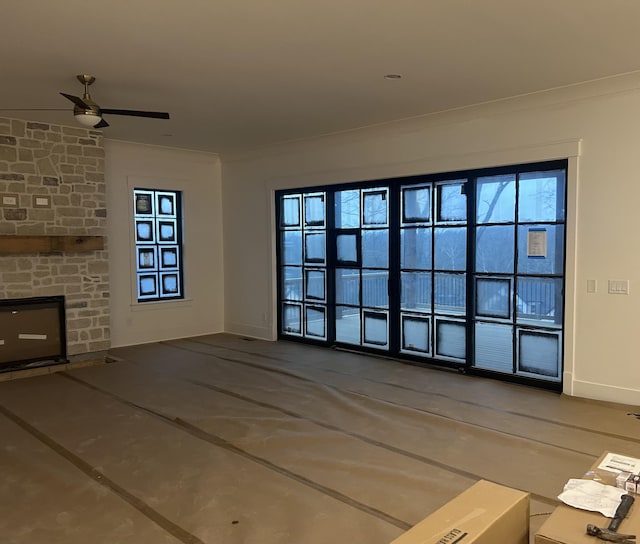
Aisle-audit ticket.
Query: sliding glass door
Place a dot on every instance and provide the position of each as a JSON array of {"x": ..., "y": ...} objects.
[
  {"x": 433, "y": 264},
  {"x": 519, "y": 273},
  {"x": 362, "y": 267},
  {"x": 464, "y": 271}
]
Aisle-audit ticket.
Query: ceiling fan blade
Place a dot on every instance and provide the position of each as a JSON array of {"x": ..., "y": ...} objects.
[
  {"x": 34, "y": 109},
  {"x": 136, "y": 113},
  {"x": 101, "y": 124},
  {"x": 76, "y": 100}
]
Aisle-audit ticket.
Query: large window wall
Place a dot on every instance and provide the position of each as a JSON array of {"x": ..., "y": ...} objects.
[{"x": 464, "y": 270}]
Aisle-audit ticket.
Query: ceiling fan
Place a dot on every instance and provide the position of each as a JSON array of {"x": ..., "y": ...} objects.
[{"x": 89, "y": 114}]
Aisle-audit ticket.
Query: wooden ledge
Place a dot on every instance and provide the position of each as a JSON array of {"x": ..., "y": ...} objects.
[{"x": 49, "y": 244}]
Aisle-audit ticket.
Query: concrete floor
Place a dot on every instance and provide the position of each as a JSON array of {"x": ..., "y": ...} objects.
[{"x": 220, "y": 439}]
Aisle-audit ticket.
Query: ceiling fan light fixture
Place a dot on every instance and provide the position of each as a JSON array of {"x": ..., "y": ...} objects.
[{"x": 87, "y": 119}]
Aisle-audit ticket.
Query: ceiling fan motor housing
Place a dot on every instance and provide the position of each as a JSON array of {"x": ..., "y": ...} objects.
[{"x": 91, "y": 109}]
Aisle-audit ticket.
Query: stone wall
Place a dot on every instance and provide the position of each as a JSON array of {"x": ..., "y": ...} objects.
[{"x": 67, "y": 165}]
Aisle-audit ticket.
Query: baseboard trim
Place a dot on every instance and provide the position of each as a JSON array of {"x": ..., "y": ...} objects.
[
  {"x": 609, "y": 393},
  {"x": 241, "y": 329}
]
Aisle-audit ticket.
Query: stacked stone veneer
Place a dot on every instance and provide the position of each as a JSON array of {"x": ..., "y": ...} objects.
[{"x": 66, "y": 163}]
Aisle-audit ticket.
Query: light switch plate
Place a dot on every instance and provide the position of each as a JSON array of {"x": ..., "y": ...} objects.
[
  {"x": 619, "y": 287},
  {"x": 592, "y": 286}
]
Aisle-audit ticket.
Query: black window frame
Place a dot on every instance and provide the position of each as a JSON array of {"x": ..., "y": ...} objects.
[
  {"x": 395, "y": 222},
  {"x": 161, "y": 235}
]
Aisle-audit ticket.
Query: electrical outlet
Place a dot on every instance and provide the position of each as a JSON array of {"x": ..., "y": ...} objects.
[{"x": 9, "y": 200}]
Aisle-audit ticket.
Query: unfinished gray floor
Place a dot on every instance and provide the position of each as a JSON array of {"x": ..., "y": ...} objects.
[{"x": 219, "y": 439}]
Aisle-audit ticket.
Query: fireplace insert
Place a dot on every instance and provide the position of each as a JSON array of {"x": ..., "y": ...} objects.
[{"x": 32, "y": 332}]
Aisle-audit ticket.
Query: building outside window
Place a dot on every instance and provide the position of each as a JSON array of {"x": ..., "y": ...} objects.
[
  {"x": 158, "y": 244},
  {"x": 462, "y": 269}
]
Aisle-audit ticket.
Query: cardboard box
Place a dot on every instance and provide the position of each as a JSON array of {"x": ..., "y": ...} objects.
[
  {"x": 567, "y": 525},
  {"x": 621, "y": 479},
  {"x": 486, "y": 513}
]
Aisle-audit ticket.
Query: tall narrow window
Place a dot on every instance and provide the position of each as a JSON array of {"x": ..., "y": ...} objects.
[
  {"x": 303, "y": 264},
  {"x": 158, "y": 240}
]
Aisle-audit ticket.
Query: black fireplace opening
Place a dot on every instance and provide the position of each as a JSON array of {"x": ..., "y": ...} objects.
[{"x": 32, "y": 332}]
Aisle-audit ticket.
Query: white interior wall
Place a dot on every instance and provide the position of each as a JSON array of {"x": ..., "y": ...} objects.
[
  {"x": 597, "y": 121},
  {"x": 198, "y": 176}
]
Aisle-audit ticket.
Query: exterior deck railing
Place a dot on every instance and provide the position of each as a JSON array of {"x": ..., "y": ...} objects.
[{"x": 534, "y": 299}]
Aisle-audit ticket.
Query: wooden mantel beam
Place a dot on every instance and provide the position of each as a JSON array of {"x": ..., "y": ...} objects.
[{"x": 10, "y": 244}]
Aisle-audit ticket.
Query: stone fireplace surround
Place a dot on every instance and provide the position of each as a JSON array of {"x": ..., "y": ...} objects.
[{"x": 52, "y": 184}]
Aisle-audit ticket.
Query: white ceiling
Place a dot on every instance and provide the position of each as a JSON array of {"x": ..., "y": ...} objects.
[{"x": 237, "y": 74}]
